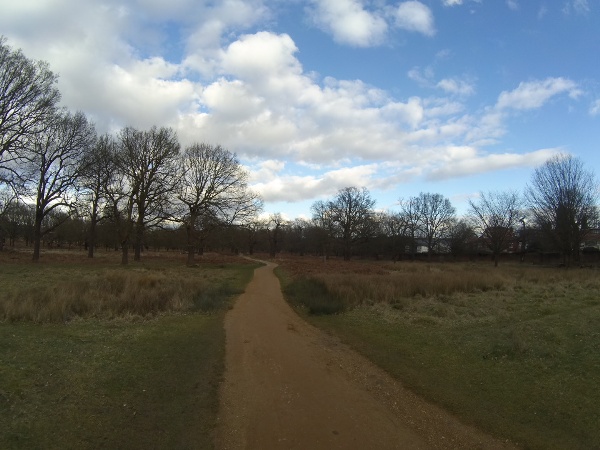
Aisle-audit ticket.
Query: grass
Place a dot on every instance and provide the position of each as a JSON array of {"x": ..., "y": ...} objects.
[
  {"x": 515, "y": 351},
  {"x": 114, "y": 376},
  {"x": 59, "y": 292}
]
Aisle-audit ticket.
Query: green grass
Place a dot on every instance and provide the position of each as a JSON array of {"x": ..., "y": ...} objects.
[
  {"x": 132, "y": 381},
  {"x": 521, "y": 360}
]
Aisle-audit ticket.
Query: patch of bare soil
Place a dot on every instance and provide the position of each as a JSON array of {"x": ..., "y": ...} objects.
[{"x": 288, "y": 385}]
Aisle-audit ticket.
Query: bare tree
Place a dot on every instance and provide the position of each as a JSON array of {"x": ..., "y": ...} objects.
[
  {"x": 322, "y": 219},
  {"x": 396, "y": 228},
  {"x": 28, "y": 97},
  {"x": 98, "y": 167},
  {"x": 51, "y": 166},
  {"x": 496, "y": 215},
  {"x": 213, "y": 190},
  {"x": 410, "y": 216},
  {"x": 351, "y": 216},
  {"x": 435, "y": 216},
  {"x": 148, "y": 162},
  {"x": 273, "y": 227},
  {"x": 460, "y": 237},
  {"x": 563, "y": 198}
]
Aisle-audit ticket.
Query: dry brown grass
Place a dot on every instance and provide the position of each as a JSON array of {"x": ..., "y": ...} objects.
[{"x": 66, "y": 285}]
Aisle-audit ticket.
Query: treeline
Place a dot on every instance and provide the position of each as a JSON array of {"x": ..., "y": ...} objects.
[{"x": 63, "y": 185}]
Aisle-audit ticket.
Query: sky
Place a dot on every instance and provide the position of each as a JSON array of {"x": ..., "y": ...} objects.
[{"x": 444, "y": 96}]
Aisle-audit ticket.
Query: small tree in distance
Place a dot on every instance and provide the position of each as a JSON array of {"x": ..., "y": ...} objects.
[{"x": 496, "y": 215}]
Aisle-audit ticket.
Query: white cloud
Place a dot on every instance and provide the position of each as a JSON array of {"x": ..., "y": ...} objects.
[
  {"x": 595, "y": 108},
  {"x": 290, "y": 188},
  {"x": 250, "y": 93},
  {"x": 415, "y": 16},
  {"x": 533, "y": 94},
  {"x": 578, "y": 6},
  {"x": 456, "y": 86},
  {"x": 472, "y": 164},
  {"x": 452, "y": 2},
  {"x": 349, "y": 22},
  {"x": 513, "y": 5}
]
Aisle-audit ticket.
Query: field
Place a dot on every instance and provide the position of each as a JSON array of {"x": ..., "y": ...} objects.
[
  {"x": 97, "y": 355},
  {"x": 514, "y": 350}
]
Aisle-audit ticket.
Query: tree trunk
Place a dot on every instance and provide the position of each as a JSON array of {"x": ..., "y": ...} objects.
[
  {"x": 139, "y": 237},
  {"x": 92, "y": 233},
  {"x": 37, "y": 237},
  {"x": 191, "y": 237},
  {"x": 124, "y": 253},
  {"x": 92, "y": 238}
]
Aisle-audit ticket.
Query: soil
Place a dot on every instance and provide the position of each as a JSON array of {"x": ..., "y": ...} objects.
[{"x": 289, "y": 385}]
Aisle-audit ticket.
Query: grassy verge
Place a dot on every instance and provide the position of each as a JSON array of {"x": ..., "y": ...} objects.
[
  {"x": 518, "y": 355},
  {"x": 146, "y": 379}
]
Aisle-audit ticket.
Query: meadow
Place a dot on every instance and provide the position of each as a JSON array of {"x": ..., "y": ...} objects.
[
  {"x": 94, "y": 354},
  {"x": 514, "y": 350}
]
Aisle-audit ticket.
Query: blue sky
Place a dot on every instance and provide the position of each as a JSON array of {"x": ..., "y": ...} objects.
[{"x": 443, "y": 96}]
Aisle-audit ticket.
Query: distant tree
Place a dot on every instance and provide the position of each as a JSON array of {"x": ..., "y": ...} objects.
[
  {"x": 435, "y": 215},
  {"x": 410, "y": 217},
  {"x": 51, "y": 166},
  {"x": 17, "y": 220},
  {"x": 274, "y": 226},
  {"x": 28, "y": 98},
  {"x": 460, "y": 237},
  {"x": 251, "y": 230},
  {"x": 496, "y": 216},
  {"x": 324, "y": 223},
  {"x": 297, "y": 236},
  {"x": 98, "y": 167},
  {"x": 351, "y": 212},
  {"x": 148, "y": 161},
  {"x": 563, "y": 197},
  {"x": 213, "y": 192},
  {"x": 394, "y": 227}
]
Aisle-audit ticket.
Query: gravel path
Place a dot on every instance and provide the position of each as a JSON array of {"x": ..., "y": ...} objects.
[{"x": 290, "y": 386}]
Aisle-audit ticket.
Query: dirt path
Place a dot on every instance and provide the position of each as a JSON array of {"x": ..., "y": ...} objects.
[{"x": 290, "y": 386}]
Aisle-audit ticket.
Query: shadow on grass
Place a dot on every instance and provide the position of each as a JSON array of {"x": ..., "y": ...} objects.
[{"x": 313, "y": 295}]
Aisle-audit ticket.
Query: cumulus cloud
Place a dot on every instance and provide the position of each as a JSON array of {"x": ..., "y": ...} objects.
[
  {"x": 247, "y": 90},
  {"x": 349, "y": 22},
  {"x": 595, "y": 108},
  {"x": 533, "y": 94},
  {"x": 415, "y": 16},
  {"x": 452, "y": 2},
  {"x": 290, "y": 188}
]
